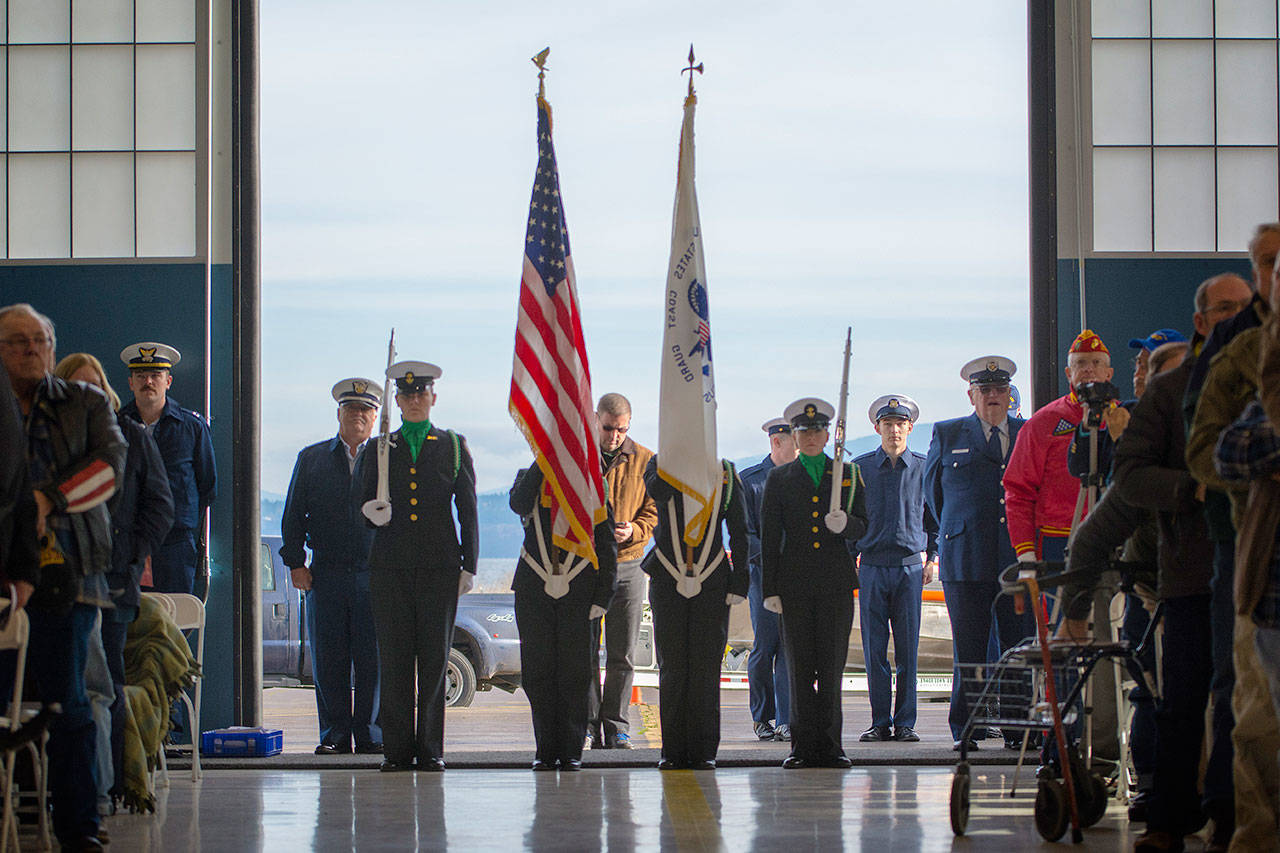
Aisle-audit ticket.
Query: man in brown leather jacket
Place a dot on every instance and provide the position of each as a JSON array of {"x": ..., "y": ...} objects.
[{"x": 634, "y": 516}]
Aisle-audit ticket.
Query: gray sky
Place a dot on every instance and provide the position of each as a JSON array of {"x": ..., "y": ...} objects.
[{"x": 861, "y": 165}]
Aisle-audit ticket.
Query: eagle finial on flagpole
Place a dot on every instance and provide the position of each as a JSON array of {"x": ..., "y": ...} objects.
[
  {"x": 692, "y": 68},
  {"x": 540, "y": 60}
]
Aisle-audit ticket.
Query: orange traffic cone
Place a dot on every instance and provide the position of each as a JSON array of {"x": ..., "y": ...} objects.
[{"x": 635, "y": 695}]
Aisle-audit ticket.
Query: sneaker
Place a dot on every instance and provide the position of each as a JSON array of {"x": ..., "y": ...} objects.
[
  {"x": 876, "y": 733},
  {"x": 763, "y": 730},
  {"x": 782, "y": 733},
  {"x": 621, "y": 740}
]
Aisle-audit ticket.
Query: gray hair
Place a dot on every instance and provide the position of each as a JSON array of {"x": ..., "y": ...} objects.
[
  {"x": 614, "y": 404},
  {"x": 1262, "y": 231},
  {"x": 26, "y": 309},
  {"x": 1163, "y": 354}
]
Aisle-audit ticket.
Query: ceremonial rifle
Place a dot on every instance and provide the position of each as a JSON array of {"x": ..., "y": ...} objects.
[
  {"x": 837, "y": 454},
  {"x": 378, "y": 510}
]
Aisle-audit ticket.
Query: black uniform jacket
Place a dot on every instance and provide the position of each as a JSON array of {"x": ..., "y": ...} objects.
[
  {"x": 141, "y": 513},
  {"x": 421, "y": 533},
  {"x": 526, "y": 493},
  {"x": 798, "y": 553},
  {"x": 735, "y": 514}
]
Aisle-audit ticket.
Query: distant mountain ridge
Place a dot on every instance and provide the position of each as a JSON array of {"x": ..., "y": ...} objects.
[{"x": 500, "y": 530}]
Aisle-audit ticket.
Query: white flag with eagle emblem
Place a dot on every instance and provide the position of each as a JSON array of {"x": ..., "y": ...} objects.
[{"x": 687, "y": 457}]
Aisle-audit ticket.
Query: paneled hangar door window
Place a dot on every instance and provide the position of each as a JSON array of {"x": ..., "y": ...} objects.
[
  {"x": 1184, "y": 123},
  {"x": 100, "y": 129}
]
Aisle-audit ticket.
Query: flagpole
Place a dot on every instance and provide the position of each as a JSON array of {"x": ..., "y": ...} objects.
[{"x": 540, "y": 60}]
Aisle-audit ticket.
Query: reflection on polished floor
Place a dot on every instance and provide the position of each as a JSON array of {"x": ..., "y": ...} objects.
[{"x": 875, "y": 808}]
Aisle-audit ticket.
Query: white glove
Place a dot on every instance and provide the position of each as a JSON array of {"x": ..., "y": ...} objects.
[
  {"x": 732, "y": 599},
  {"x": 597, "y": 612},
  {"x": 836, "y": 521},
  {"x": 466, "y": 580},
  {"x": 773, "y": 604}
]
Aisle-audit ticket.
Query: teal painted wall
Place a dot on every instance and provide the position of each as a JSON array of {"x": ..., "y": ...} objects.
[
  {"x": 103, "y": 308},
  {"x": 1131, "y": 298}
]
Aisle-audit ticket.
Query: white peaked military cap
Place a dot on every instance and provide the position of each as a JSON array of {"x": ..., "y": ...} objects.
[
  {"x": 412, "y": 376},
  {"x": 989, "y": 370},
  {"x": 893, "y": 406},
  {"x": 809, "y": 413},
  {"x": 149, "y": 355},
  {"x": 773, "y": 426},
  {"x": 359, "y": 390}
]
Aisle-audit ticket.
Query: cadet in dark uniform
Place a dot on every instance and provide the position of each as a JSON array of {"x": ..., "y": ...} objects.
[
  {"x": 967, "y": 458},
  {"x": 419, "y": 565},
  {"x": 691, "y": 616},
  {"x": 891, "y": 574},
  {"x": 319, "y": 515},
  {"x": 809, "y": 578},
  {"x": 767, "y": 680},
  {"x": 558, "y": 597},
  {"x": 187, "y": 449}
]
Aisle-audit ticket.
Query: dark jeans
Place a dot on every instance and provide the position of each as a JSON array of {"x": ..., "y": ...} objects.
[
  {"x": 889, "y": 597},
  {"x": 343, "y": 643},
  {"x": 55, "y": 662},
  {"x": 607, "y": 710},
  {"x": 1188, "y": 672},
  {"x": 1142, "y": 732},
  {"x": 115, "y": 629},
  {"x": 767, "y": 679},
  {"x": 1219, "y": 790}
]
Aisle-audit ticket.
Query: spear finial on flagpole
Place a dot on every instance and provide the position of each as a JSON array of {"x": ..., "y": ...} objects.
[
  {"x": 540, "y": 60},
  {"x": 692, "y": 68}
]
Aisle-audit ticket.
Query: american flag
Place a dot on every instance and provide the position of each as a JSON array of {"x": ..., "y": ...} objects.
[{"x": 550, "y": 380}]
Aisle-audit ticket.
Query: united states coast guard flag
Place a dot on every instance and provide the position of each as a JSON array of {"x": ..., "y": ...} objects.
[
  {"x": 687, "y": 457},
  {"x": 550, "y": 380}
]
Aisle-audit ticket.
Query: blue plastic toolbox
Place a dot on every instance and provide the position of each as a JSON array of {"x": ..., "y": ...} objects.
[{"x": 239, "y": 741}]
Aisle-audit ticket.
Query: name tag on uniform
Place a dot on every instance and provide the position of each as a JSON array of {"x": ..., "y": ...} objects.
[{"x": 961, "y": 450}]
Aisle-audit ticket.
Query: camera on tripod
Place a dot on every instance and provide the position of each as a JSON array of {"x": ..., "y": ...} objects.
[{"x": 1096, "y": 398}]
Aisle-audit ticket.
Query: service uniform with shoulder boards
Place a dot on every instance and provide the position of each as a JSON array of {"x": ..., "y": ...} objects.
[
  {"x": 415, "y": 564},
  {"x": 553, "y": 617},
  {"x": 808, "y": 569},
  {"x": 691, "y": 616}
]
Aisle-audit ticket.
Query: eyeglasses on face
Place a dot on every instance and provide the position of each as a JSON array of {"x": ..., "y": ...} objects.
[{"x": 24, "y": 342}]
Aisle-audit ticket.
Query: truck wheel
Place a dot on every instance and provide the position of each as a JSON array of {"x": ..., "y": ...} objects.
[{"x": 460, "y": 680}]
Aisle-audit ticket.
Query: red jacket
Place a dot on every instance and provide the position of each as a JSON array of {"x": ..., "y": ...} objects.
[{"x": 1040, "y": 494}]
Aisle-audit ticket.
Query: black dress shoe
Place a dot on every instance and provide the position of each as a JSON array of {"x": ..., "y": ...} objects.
[
  {"x": 389, "y": 766},
  {"x": 764, "y": 731},
  {"x": 542, "y": 766},
  {"x": 368, "y": 749},
  {"x": 876, "y": 733},
  {"x": 570, "y": 765},
  {"x": 704, "y": 764},
  {"x": 906, "y": 734},
  {"x": 431, "y": 765},
  {"x": 839, "y": 762},
  {"x": 794, "y": 762},
  {"x": 331, "y": 749},
  {"x": 668, "y": 764}
]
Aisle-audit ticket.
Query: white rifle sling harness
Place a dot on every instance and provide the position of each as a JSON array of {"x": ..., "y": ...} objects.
[
  {"x": 378, "y": 510},
  {"x": 556, "y": 581},
  {"x": 689, "y": 582}
]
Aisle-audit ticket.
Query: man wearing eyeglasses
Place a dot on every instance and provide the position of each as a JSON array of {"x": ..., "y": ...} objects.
[
  {"x": 186, "y": 445},
  {"x": 634, "y": 515},
  {"x": 967, "y": 458}
]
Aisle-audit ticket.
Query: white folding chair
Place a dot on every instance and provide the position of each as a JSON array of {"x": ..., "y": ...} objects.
[
  {"x": 188, "y": 615},
  {"x": 14, "y": 634}
]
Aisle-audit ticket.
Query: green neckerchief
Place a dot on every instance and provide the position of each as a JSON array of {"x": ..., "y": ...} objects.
[
  {"x": 815, "y": 465},
  {"x": 415, "y": 434}
]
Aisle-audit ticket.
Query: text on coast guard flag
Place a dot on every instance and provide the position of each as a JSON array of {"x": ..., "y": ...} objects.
[
  {"x": 550, "y": 380},
  {"x": 687, "y": 457}
]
